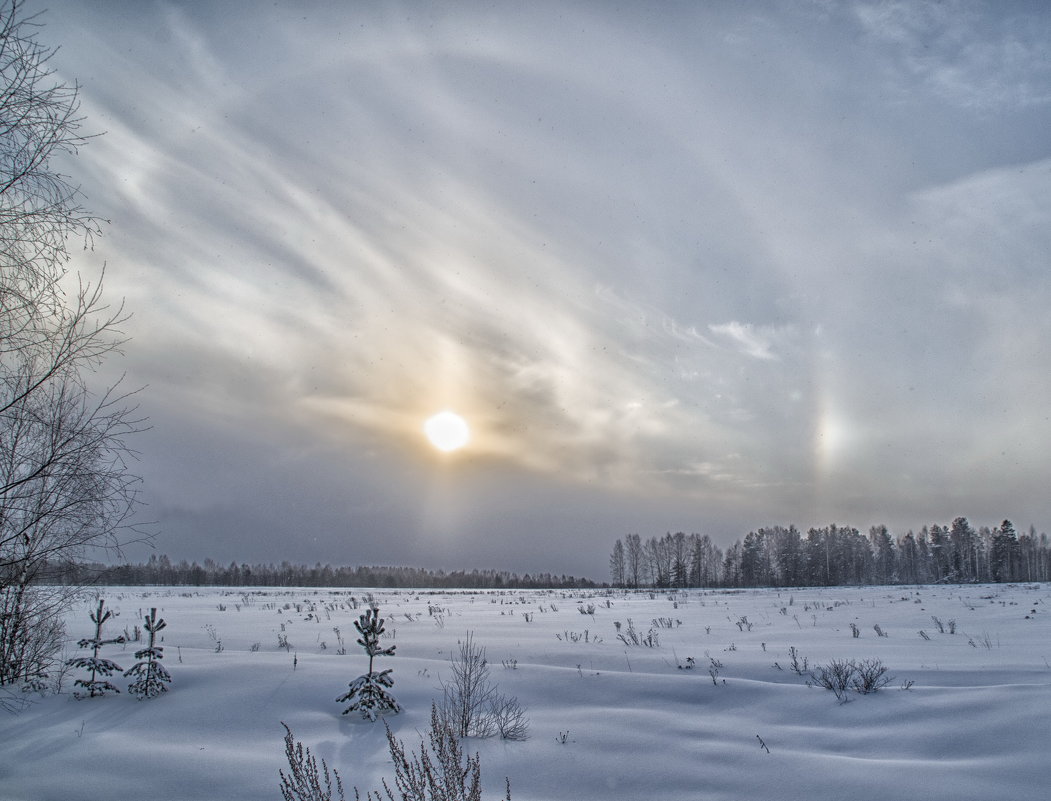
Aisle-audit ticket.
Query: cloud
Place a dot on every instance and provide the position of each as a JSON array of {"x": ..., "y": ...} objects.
[
  {"x": 756, "y": 342},
  {"x": 343, "y": 294},
  {"x": 707, "y": 269},
  {"x": 967, "y": 53}
]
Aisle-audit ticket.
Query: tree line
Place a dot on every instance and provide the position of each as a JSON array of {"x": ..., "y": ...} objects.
[
  {"x": 160, "y": 570},
  {"x": 834, "y": 555}
]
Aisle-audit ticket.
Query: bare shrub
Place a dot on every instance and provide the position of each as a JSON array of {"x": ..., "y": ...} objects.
[
  {"x": 304, "y": 782},
  {"x": 841, "y": 675},
  {"x": 32, "y": 633},
  {"x": 835, "y": 676},
  {"x": 468, "y": 697},
  {"x": 984, "y": 639},
  {"x": 439, "y": 772},
  {"x": 798, "y": 667},
  {"x": 472, "y": 705},
  {"x": 628, "y": 636},
  {"x": 869, "y": 676},
  {"x": 510, "y": 718}
]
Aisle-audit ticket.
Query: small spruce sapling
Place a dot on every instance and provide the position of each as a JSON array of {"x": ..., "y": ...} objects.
[
  {"x": 151, "y": 677},
  {"x": 368, "y": 694},
  {"x": 100, "y": 668}
]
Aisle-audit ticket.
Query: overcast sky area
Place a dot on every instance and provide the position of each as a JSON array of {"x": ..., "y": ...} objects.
[{"x": 701, "y": 267}]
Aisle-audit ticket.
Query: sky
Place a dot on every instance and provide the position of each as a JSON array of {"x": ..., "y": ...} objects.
[{"x": 680, "y": 266}]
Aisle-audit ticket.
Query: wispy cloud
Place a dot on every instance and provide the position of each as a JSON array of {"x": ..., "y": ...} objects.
[
  {"x": 968, "y": 53},
  {"x": 757, "y": 342},
  {"x": 662, "y": 264}
]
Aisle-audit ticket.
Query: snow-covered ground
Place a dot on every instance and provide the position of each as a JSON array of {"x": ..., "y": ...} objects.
[{"x": 607, "y": 720}]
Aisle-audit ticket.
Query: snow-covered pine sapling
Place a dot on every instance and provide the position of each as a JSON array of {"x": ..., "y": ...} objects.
[
  {"x": 151, "y": 677},
  {"x": 368, "y": 694},
  {"x": 100, "y": 668}
]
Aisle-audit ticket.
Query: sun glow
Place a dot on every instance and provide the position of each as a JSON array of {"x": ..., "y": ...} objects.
[{"x": 447, "y": 431}]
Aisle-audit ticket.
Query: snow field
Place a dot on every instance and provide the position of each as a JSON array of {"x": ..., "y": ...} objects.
[{"x": 972, "y": 726}]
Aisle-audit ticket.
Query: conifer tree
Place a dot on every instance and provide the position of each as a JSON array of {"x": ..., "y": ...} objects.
[
  {"x": 151, "y": 677},
  {"x": 368, "y": 694},
  {"x": 100, "y": 668}
]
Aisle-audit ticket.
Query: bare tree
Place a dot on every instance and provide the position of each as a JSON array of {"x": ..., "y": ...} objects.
[
  {"x": 65, "y": 488},
  {"x": 472, "y": 705},
  {"x": 468, "y": 696},
  {"x": 633, "y": 566},
  {"x": 617, "y": 565}
]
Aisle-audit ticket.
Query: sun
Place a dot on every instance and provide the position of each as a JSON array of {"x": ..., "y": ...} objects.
[{"x": 447, "y": 431}]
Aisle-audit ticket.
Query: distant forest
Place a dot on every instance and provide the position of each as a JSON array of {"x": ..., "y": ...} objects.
[
  {"x": 161, "y": 570},
  {"x": 833, "y": 555},
  {"x": 768, "y": 557}
]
